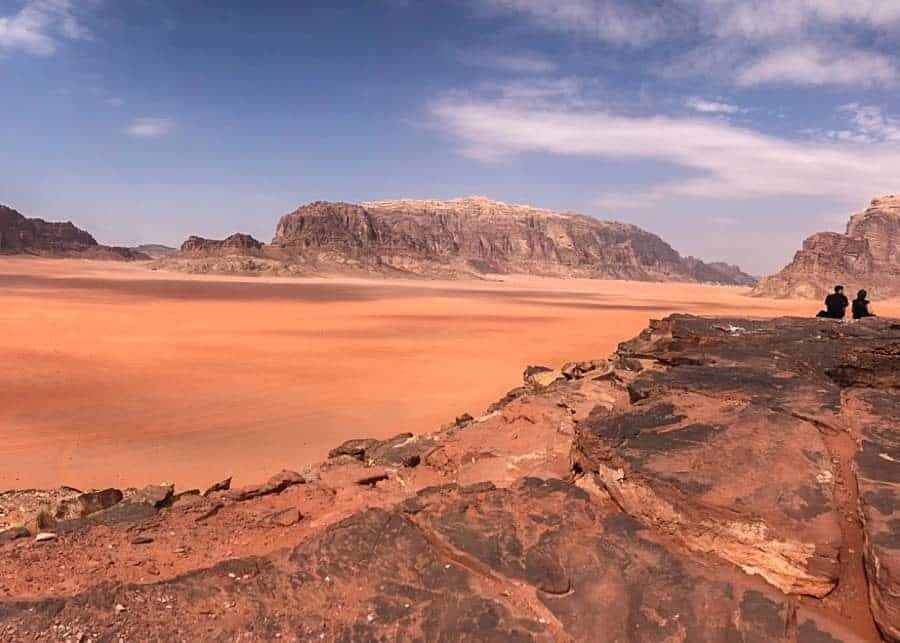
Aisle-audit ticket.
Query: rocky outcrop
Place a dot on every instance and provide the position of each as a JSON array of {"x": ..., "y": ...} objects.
[
  {"x": 867, "y": 257},
  {"x": 461, "y": 238},
  {"x": 698, "y": 485},
  {"x": 20, "y": 235},
  {"x": 236, "y": 244},
  {"x": 476, "y": 236}
]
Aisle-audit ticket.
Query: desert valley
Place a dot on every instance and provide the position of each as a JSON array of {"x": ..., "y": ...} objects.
[
  {"x": 477, "y": 321},
  {"x": 374, "y": 355}
]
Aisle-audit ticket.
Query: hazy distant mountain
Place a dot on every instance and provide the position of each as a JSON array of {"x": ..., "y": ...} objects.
[
  {"x": 457, "y": 238},
  {"x": 21, "y": 235},
  {"x": 866, "y": 256},
  {"x": 155, "y": 250}
]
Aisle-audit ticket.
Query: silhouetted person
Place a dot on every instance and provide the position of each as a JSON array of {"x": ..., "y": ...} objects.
[
  {"x": 861, "y": 306},
  {"x": 835, "y": 304}
]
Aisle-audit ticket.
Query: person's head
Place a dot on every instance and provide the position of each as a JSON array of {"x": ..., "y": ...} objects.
[
  {"x": 839, "y": 290},
  {"x": 862, "y": 294}
]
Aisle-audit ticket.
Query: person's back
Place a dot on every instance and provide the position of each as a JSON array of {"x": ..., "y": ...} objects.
[
  {"x": 835, "y": 304},
  {"x": 861, "y": 306}
]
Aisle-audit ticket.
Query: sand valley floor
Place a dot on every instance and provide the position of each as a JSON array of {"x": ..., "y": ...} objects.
[{"x": 116, "y": 375}]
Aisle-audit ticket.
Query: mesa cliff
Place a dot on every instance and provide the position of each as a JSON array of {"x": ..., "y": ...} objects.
[
  {"x": 457, "y": 238},
  {"x": 21, "y": 235},
  {"x": 713, "y": 480},
  {"x": 867, "y": 257}
]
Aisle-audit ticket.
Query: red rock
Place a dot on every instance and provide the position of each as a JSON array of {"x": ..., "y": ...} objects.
[
  {"x": 457, "y": 238},
  {"x": 21, "y": 235},
  {"x": 866, "y": 257}
]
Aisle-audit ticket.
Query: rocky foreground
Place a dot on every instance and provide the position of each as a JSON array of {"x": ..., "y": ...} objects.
[
  {"x": 866, "y": 256},
  {"x": 467, "y": 237},
  {"x": 713, "y": 480}
]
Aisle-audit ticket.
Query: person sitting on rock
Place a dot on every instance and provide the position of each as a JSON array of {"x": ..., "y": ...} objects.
[
  {"x": 861, "y": 306},
  {"x": 835, "y": 304}
]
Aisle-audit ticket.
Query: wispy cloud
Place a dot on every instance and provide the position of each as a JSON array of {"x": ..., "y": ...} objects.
[
  {"x": 612, "y": 21},
  {"x": 796, "y": 42},
  {"x": 711, "y": 106},
  {"x": 151, "y": 127},
  {"x": 724, "y": 161},
  {"x": 868, "y": 124},
  {"x": 39, "y": 27},
  {"x": 814, "y": 65},
  {"x": 520, "y": 62}
]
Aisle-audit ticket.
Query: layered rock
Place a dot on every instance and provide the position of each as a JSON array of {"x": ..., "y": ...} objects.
[
  {"x": 468, "y": 237},
  {"x": 21, "y": 235},
  {"x": 477, "y": 235},
  {"x": 867, "y": 257},
  {"x": 699, "y": 485}
]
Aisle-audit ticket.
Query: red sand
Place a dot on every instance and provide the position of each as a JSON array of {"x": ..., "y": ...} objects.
[{"x": 116, "y": 375}]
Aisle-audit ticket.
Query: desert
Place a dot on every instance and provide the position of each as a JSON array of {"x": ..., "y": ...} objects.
[
  {"x": 481, "y": 321},
  {"x": 115, "y": 374}
]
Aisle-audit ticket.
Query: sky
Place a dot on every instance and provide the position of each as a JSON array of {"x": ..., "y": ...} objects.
[{"x": 731, "y": 128}]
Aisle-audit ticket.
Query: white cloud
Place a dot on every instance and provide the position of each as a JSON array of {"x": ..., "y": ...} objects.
[
  {"x": 520, "y": 62},
  {"x": 39, "y": 26},
  {"x": 724, "y": 161},
  {"x": 151, "y": 127},
  {"x": 813, "y": 65},
  {"x": 759, "y": 19},
  {"x": 800, "y": 42},
  {"x": 711, "y": 106}
]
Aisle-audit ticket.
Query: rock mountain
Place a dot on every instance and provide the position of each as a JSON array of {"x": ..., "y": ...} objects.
[
  {"x": 866, "y": 256},
  {"x": 457, "y": 238},
  {"x": 21, "y": 235}
]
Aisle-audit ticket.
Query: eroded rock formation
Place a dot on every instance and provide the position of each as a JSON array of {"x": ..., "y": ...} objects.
[
  {"x": 471, "y": 237},
  {"x": 20, "y": 235},
  {"x": 867, "y": 257},
  {"x": 698, "y": 485}
]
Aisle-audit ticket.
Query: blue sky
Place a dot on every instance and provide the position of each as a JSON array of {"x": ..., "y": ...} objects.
[{"x": 732, "y": 128}]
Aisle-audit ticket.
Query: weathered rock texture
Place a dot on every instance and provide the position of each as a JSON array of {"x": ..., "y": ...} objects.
[
  {"x": 20, "y": 235},
  {"x": 699, "y": 485},
  {"x": 467, "y": 237},
  {"x": 867, "y": 257}
]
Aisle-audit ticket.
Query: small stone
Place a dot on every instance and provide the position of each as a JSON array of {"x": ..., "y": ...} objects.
[
  {"x": 120, "y": 608},
  {"x": 286, "y": 517},
  {"x": 45, "y": 536},
  {"x": 141, "y": 540}
]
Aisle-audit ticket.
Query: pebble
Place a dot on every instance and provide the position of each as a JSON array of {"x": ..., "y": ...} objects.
[
  {"x": 120, "y": 608},
  {"x": 44, "y": 536},
  {"x": 141, "y": 540}
]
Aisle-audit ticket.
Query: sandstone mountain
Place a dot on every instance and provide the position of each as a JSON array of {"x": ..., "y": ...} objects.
[
  {"x": 866, "y": 256},
  {"x": 21, "y": 235},
  {"x": 467, "y": 237},
  {"x": 688, "y": 488}
]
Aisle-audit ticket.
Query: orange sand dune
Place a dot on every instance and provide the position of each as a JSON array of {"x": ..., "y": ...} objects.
[{"x": 116, "y": 375}]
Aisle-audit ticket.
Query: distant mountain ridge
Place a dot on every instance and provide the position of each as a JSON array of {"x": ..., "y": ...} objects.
[
  {"x": 21, "y": 235},
  {"x": 471, "y": 236},
  {"x": 866, "y": 256}
]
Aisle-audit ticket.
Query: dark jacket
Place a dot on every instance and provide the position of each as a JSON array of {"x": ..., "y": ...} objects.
[
  {"x": 836, "y": 305},
  {"x": 861, "y": 309}
]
